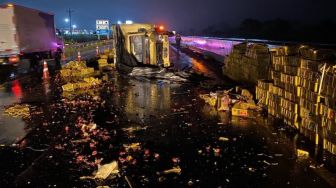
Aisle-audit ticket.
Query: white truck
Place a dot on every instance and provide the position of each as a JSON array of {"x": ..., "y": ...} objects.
[{"x": 27, "y": 34}]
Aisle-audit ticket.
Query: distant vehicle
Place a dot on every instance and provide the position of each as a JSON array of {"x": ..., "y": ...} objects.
[{"x": 27, "y": 34}]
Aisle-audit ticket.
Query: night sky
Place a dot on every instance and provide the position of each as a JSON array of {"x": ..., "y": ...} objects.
[{"x": 183, "y": 14}]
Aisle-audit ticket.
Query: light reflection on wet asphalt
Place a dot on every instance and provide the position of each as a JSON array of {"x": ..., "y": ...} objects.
[{"x": 11, "y": 129}]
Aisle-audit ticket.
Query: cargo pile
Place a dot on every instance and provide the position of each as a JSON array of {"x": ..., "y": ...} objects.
[
  {"x": 104, "y": 59},
  {"x": 102, "y": 62},
  {"x": 74, "y": 71},
  {"x": 87, "y": 83},
  {"x": 241, "y": 104},
  {"x": 18, "y": 111},
  {"x": 248, "y": 63},
  {"x": 302, "y": 92},
  {"x": 78, "y": 77}
]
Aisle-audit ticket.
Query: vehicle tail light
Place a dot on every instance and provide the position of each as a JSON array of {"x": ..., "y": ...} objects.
[{"x": 14, "y": 59}]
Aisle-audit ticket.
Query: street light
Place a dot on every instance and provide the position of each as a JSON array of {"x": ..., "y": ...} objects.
[
  {"x": 74, "y": 26},
  {"x": 66, "y": 20}
]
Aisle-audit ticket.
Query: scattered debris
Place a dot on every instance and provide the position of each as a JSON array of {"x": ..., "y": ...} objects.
[
  {"x": 223, "y": 139},
  {"x": 247, "y": 110},
  {"x": 312, "y": 166},
  {"x": 251, "y": 169},
  {"x": 104, "y": 171},
  {"x": 133, "y": 146},
  {"x": 156, "y": 73},
  {"x": 266, "y": 162},
  {"x": 224, "y": 103},
  {"x": 239, "y": 104},
  {"x": 135, "y": 129},
  {"x": 210, "y": 99},
  {"x": 278, "y": 155},
  {"x": 175, "y": 170},
  {"x": 302, "y": 154},
  {"x": 18, "y": 111},
  {"x": 274, "y": 164},
  {"x": 247, "y": 95}
]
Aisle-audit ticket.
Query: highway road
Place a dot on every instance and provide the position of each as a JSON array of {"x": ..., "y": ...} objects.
[{"x": 173, "y": 126}]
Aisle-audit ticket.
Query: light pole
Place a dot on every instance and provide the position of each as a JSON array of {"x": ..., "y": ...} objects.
[{"x": 69, "y": 20}]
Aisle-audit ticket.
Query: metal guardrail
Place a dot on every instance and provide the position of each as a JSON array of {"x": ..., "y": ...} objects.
[
  {"x": 216, "y": 46},
  {"x": 271, "y": 42},
  {"x": 224, "y": 46}
]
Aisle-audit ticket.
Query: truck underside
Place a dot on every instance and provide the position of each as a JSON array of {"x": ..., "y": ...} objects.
[{"x": 140, "y": 45}]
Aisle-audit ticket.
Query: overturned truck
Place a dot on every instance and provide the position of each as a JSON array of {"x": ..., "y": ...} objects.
[{"x": 140, "y": 45}]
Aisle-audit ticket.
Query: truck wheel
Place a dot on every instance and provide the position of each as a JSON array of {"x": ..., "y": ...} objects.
[
  {"x": 34, "y": 63},
  {"x": 58, "y": 58},
  {"x": 23, "y": 66}
]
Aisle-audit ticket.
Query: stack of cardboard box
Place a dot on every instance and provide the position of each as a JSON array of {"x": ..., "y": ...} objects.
[
  {"x": 262, "y": 91},
  {"x": 308, "y": 77},
  {"x": 303, "y": 92},
  {"x": 248, "y": 63},
  {"x": 283, "y": 98}
]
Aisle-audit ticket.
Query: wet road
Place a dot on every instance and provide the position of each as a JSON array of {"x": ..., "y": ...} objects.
[{"x": 172, "y": 124}]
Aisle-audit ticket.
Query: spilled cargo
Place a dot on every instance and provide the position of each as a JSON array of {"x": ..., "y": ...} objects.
[
  {"x": 240, "y": 104},
  {"x": 247, "y": 63},
  {"x": 301, "y": 91}
]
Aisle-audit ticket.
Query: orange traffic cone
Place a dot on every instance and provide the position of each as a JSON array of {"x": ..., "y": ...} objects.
[
  {"x": 45, "y": 70},
  {"x": 79, "y": 56}
]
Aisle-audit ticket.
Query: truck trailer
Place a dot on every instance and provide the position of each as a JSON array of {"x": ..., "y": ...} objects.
[
  {"x": 27, "y": 34},
  {"x": 140, "y": 45}
]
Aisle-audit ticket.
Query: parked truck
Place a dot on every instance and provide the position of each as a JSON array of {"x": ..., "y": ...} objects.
[{"x": 27, "y": 35}]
